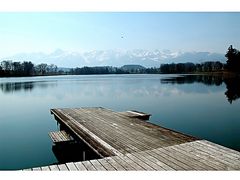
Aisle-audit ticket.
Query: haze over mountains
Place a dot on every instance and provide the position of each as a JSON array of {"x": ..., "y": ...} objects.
[{"x": 116, "y": 58}]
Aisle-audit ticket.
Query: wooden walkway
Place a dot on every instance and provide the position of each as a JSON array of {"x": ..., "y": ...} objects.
[
  {"x": 112, "y": 133},
  {"x": 59, "y": 137},
  {"x": 128, "y": 143},
  {"x": 198, "y": 155}
]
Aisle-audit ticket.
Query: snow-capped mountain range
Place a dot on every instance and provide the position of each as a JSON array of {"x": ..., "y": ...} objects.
[{"x": 116, "y": 58}]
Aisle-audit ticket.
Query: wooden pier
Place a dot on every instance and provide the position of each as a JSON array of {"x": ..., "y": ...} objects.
[
  {"x": 59, "y": 137},
  {"x": 126, "y": 142}
]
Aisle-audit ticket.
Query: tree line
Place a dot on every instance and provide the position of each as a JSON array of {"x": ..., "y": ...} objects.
[
  {"x": 232, "y": 65},
  {"x": 96, "y": 70},
  {"x": 27, "y": 68},
  {"x": 210, "y": 66},
  {"x": 9, "y": 68},
  {"x": 111, "y": 70}
]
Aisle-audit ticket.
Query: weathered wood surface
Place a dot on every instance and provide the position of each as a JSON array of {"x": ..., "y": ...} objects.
[
  {"x": 63, "y": 167},
  {"x": 60, "y": 136},
  {"x": 197, "y": 155},
  {"x": 127, "y": 143},
  {"x": 112, "y": 133}
]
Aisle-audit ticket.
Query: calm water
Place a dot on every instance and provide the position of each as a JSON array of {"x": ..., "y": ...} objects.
[{"x": 201, "y": 106}]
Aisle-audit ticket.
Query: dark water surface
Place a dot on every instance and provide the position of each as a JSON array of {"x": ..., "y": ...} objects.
[{"x": 203, "y": 106}]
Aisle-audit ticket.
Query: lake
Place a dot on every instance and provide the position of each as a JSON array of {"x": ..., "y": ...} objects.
[{"x": 202, "y": 106}]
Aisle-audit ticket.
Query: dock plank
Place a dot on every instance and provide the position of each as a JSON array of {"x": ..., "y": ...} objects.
[
  {"x": 208, "y": 158},
  {"x": 103, "y": 131},
  {"x": 150, "y": 156},
  {"x": 203, "y": 163},
  {"x": 80, "y": 166},
  {"x": 106, "y": 165},
  {"x": 132, "y": 134},
  {"x": 125, "y": 127},
  {"x": 226, "y": 152},
  {"x": 54, "y": 168},
  {"x": 174, "y": 159},
  {"x": 220, "y": 157},
  {"x": 131, "y": 163},
  {"x": 141, "y": 163},
  {"x": 36, "y": 169},
  {"x": 62, "y": 167},
  {"x": 196, "y": 165},
  {"x": 71, "y": 166},
  {"x": 45, "y": 168},
  {"x": 84, "y": 132},
  {"x": 115, "y": 164},
  {"x": 89, "y": 166},
  {"x": 162, "y": 159},
  {"x": 118, "y": 139},
  {"x": 98, "y": 165},
  {"x": 121, "y": 140},
  {"x": 29, "y": 169},
  {"x": 219, "y": 147},
  {"x": 134, "y": 127},
  {"x": 186, "y": 156},
  {"x": 123, "y": 163},
  {"x": 125, "y": 142},
  {"x": 59, "y": 136},
  {"x": 144, "y": 157}
]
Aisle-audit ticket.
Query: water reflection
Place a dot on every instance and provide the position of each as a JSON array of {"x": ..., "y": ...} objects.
[
  {"x": 232, "y": 83},
  {"x": 10, "y": 87},
  {"x": 233, "y": 89},
  {"x": 199, "y": 109},
  {"x": 103, "y": 88},
  {"x": 16, "y": 86}
]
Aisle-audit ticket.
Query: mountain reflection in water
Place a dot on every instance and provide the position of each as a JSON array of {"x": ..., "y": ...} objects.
[{"x": 232, "y": 84}]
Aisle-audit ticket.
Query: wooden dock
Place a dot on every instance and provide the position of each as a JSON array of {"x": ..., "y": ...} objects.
[
  {"x": 59, "y": 137},
  {"x": 126, "y": 142}
]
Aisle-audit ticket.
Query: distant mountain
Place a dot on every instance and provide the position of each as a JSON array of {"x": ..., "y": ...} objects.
[
  {"x": 132, "y": 67},
  {"x": 116, "y": 58}
]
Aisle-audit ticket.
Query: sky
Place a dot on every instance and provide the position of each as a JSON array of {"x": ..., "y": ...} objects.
[{"x": 46, "y": 32}]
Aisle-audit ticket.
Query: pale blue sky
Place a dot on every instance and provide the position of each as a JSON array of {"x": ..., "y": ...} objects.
[{"x": 45, "y": 32}]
